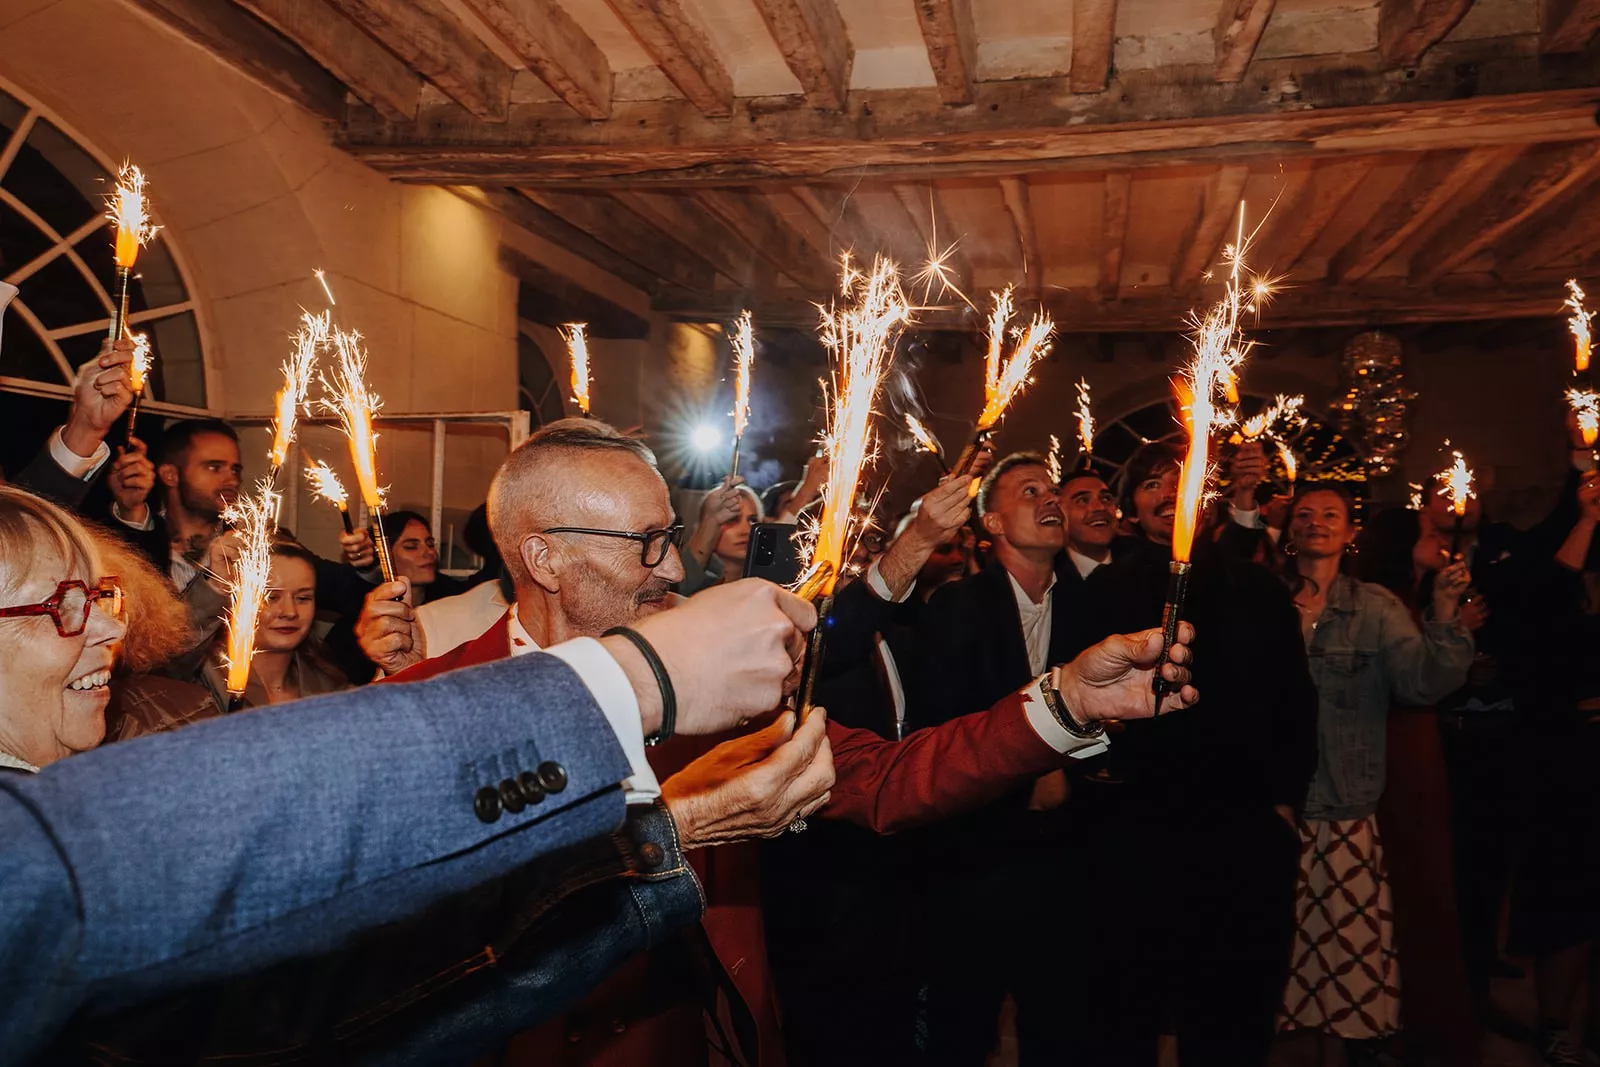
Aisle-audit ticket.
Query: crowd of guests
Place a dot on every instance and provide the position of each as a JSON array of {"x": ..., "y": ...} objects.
[{"x": 1384, "y": 790}]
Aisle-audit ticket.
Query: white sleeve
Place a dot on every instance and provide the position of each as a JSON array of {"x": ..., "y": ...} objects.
[
  {"x": 1249, "y": 519},
  {"x": 80, "y": 467},
  {"x": 149, "y": 522},
  {"x": 1053, "y": 733},
  {"x": 609, "y": 685},
  {"x": 876, "y": 583}
]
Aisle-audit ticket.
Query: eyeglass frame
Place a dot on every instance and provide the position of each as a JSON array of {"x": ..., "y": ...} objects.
[
  {"x": 673, "y": 539},
  {"x": 107, "y": 588}
]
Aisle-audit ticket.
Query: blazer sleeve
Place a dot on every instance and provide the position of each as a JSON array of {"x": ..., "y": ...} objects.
[
  {"x": 959, "y": 766},
  {"x": 45, "y": 477},
  {"x": 219, "y": 849}
]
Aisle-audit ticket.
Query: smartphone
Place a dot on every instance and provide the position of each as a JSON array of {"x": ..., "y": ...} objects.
[{"x": 773, "y": 555}]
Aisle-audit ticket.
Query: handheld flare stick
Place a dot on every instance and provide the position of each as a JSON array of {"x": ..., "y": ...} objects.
[
  {"x": 925, "y": 440},
  {"x": 860, "y": 337},
  {"x": 291, "y": 399},
  {"x": 129, "y": 211},
  {"x": 1085, "y": 415},
  {"x": 1005, "y": 376},
  {"x": 1585, "y": 405},
  {"x": 1455, "y": 482},
  {"x": 744, "y": 354},
  {"x": 578, "y": 352},
  {"x": 1053, "y": 460},
  {"x": 1578, "y": 323},
  {"x": 355, "y": 405},
  {"x": 325, "y": 485},
  {"x": 1218, "y": 353},
  {"x": 251, "y": 518},
  {"x": 138, "y": 373},
  {"x": 1291, "y": 465}
]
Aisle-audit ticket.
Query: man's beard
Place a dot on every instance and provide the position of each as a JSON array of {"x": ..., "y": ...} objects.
[
  {"x": 652, "y": 597},
  {"x": 198, "y": 504},
  {"x": 595, "y": 605}
]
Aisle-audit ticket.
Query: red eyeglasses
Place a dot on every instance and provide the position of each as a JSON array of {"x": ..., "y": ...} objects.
[{"x": 69, "y": 606}]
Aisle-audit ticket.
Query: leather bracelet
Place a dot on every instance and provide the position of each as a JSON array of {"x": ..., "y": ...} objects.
[{"x": 669, "y": 699}]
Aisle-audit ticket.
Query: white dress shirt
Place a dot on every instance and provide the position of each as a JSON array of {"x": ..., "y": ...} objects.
[
  {"x": 80, "y": 467},
  {"x": 609, "y": 685},
  {"x": 1035, "y": 622},
  {"x": 454, "y": 620},
  {"x": 1085, "y": 565}
]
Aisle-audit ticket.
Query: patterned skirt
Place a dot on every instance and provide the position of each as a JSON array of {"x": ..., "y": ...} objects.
[{"x": 1344, "y": 977}]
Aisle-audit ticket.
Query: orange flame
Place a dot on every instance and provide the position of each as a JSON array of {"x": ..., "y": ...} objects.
[
  {"x": 252, "y": 519},
  {"x": 744, "y": 354},
  {"x": 1578, "y": 323},
  {"x": 578, "y": 350},
  {"x": 130, "y": 211},
  {"x": 325, "y": 484},
  {"x": 1053, "y": 460},
  {"x": 1003, "y": 379},
  {"x": 139, "y": 367},
  {"x": 355, "y": 405},
  {"x": 920, "y": 432},
  {"x": 1291, "y": 465},
  {"x": 1586, "y": 405},
  {"x": 1455, "y": 482},
  {"x": 1085, "y": 419},
  {"x": 308, "y": 340}
]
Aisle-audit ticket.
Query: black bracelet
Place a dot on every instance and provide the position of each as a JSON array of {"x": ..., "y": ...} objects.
[{"x": 669, "y": 699}]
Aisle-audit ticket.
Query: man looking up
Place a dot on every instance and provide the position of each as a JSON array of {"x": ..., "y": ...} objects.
[{"x": 1091, "y": 511}]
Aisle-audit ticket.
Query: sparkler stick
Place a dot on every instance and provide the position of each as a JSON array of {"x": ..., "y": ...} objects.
[
  {"x": 860, "y": 336},
  {"x": 128, "y": 209},
  {"x": 325, "y": 485},
  {"x": 355, "y": 405},
  {"x": 1005, "y": 377},
  {"x": 1085, "y": 423},
  {"x": 251, "y": 517},
  {"x": 1585, "y": 404},
  {"x": 1578, "y": 323},
  {"x": 1455, "y": 482},
  {"x": 925, "y": 440},
  {"x": 138, "y": 371},
  {"x": 744, "y": 354},
  {"x": 578, "y": 351},
  {"x": 1218, "y": 353},
  {"x": 308, "y": 339}
]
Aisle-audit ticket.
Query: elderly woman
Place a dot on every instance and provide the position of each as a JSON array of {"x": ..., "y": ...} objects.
[{"x": 60, "y": 621}]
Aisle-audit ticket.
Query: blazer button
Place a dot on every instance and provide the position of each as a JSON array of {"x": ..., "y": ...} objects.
[
  {"x": 552, "y": 776},
  {"x": 531, "y": 789},
  {"x": 486, "y": 804},
  {"x": 651, "y": 855},
  {"x": 511, "y": 797}
]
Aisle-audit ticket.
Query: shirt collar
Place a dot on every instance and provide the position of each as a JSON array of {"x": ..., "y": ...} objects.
[
  {"x": 1085, "y": 565},
  {"x": 1024, "y": 601},
  {"x": 521, "y": 643},
  {"x": 8, "y": 760}
]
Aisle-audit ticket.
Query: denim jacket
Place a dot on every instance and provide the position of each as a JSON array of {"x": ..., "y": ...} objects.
[{"x": 1366, "y": 655}]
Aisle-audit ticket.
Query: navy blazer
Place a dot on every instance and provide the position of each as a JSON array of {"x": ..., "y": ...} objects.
[{"x": 220, "y": 849}]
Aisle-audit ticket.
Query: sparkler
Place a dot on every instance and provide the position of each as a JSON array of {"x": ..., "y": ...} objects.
[
  {"x": 1578, "y": 323},
  {"x": 860, "y": 336},
  {"x": 251, "y": 517},
  {"x": 578, "y": 350},
  {"x": 1005, "y": 376},
  {"x": 1053, "y": 460},
  {"x": 744, "y": 354},
  {"x": 355, "y": 404},
  {"x": 1218, "y": 353},
  {"x": 138, "y": 372},
  {"x": 322, "y": 276},
  {"x": 312, "y": 336},
  {"x": 1085, "y": 422},
  {"x": 1455, "y": 482},
  {"x": 925, "y": 440},
  {"x": 325, "y": 485},
  {"x": 1585, "y": 405},
  {"x": 128, "y": 209},
  {"x": 1291, "y": 465}
]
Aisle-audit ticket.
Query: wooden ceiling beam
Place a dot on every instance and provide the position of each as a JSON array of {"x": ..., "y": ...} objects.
[
  {"x": 1218, "y": 214},
  {"x": 552, "y": 45},
  {"x": 258, "y": 53},
  {"x": 753, "y": 219},
  {"x": 1329, "y": 187},
  {"x": 952, "y": 46},
  {"x": 682, "y": 50},
  {"x": 1094, "y": 32},
  {"x": 366, "y": 67},
  {"x": 440, "y": 48},
  {"x": 812, "y": 37},
  {"x": 847, "y": 229},
  {"x": 1014, "y": 192},
  {"x": 1239, "y": 29},
  {"x": 553, "y": 300},
  {"x": 595, "y": 215},
  {"x": 1567, "y": 240},
  {"x": 1114, "y": 232},
  {"x": 1407, "y": 29},
  {"x": 1537, "y": 182},
  {"x": 678, "y": 216},
  {"x": 1438, "y": 186},
  {"x": 1158, "y": 116},
  {"x": 1569, "y": 25},
  {"x": 925, "y": 207},
  {"x": 537, "y": 220}
]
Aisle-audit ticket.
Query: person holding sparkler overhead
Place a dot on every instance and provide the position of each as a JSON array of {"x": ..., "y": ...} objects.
[{"x": 76, "y": 451}]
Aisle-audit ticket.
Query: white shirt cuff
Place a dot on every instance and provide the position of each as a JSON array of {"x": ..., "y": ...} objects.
[
  {"x": 1250, "y": 519},
  {"x": 609, "y": 685},
  {"x": 876, "y": 583},
  {"x": 1053, "y": 733},
  {"x": 80, "y": 467},
  {"x": 149, "y": 522}
]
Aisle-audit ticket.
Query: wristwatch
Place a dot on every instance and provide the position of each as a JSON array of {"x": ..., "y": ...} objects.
[{"x": 1057, "y": 706}]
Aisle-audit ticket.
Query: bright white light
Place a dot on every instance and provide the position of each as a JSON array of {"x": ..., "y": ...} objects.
[{"x": 705, "y": 438}]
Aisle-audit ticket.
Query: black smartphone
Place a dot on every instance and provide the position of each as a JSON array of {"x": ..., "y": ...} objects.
[{"x": 773, "y": 555}]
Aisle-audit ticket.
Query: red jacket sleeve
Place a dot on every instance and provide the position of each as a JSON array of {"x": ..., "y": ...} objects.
[{"x": 935, "y": 773}]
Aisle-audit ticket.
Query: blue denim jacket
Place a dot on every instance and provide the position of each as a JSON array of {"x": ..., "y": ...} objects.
[{"x": 1367, "y": 655}]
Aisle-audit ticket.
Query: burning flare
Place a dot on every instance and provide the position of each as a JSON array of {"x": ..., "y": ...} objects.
[
  {"x": 252, "y": 519},
  {"x": 1085, "y": 419},
  {"x": 139, "y": 368},
  {"x": 744, "y": 354},
  {"x": 1291, "y": 466},
  {"x": 130, "y": 211},
  {"x": 355, "y": 405},
  {"x": 924, "y": 439},
  {"x": 325, "y": 485},
  {"x": 1455, "y": 482},
  {"x": 1586, "y": 405},
  {"x": 578, "y": 350},
  {"x": 311, "y": 337},
  {"x": 1053, "y": 460},
  {"x": 1003, "y": 379},
  {"x": 1578, "y": 323},
  {"x": 860, "y": 337}
]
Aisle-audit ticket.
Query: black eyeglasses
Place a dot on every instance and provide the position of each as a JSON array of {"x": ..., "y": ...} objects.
[
  {"x": 69, "y": 606},
  {"x": 653, "y": 544}
]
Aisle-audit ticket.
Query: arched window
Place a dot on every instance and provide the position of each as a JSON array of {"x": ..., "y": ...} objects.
[{"x": 55, "y": 247}]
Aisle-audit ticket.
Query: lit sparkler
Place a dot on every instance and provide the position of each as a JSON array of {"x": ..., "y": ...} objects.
[
  {"x": 325, "y": 485},
  {"x": 356, "y": 404},
  {"x": 860, "y": 337},
  {"x": 252, "y": 519},
  {"x": 1291, "y": 465},
  {"x": 578, "y": 351},
  {"x": 925, "y": 440},
  {"x": 1053, "y": 460},
  {"x": 311, "y": 337},
  {"x": 744, "y": 354},
  {"x": 1585, "y": 405},
  {"x": 1578, "y": 323},
  {"x": 1085, "y": 421},
  {"x": 138, "y": 373},
  {"x": 322, "y": 276},
  {"x": 129, "y": 211},
  {"x": 1005, "y": 376},
  {"x": 1455, "y": 482}
]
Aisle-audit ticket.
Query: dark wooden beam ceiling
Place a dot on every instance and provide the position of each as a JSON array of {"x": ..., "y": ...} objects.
[
  {"x": 952, "y": 46},
  {"x": 435, "y": 43},
  {"x": 371, "y": 71},
  {"x": 554, "y": 47},
  {"x": 677, "y": 44},
  {"x": 812, "y": 37}
]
